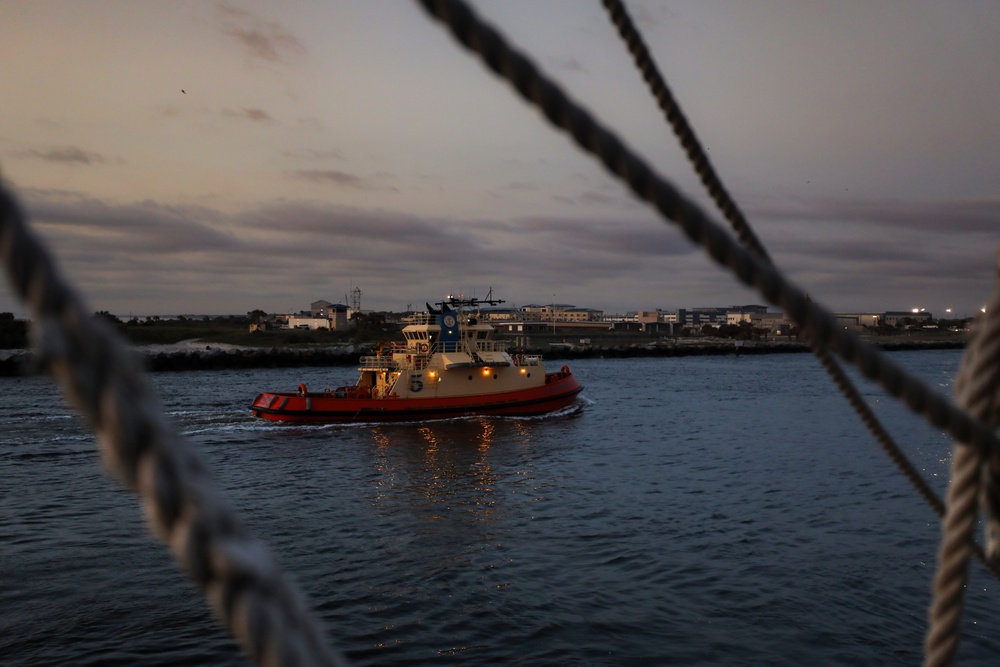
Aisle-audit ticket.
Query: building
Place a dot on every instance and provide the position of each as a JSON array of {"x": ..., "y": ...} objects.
[
  {"x": 896, "y": 318},
  {"x": 737, "y": 314},
  {"x": 498, "y": 314},
  {"x": 321, "y": 308},
  {"x": 702, "y": 316},
  {"x": 561, "y": 312},
  {"x": 774, "y": 322},
  {"x": 858, "y": 321},
  {"x": 649, "y": 316},
  {"x": 322, "y": 315}
]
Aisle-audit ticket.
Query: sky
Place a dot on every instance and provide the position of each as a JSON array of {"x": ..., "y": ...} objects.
[{"x": 195, "y": 157}]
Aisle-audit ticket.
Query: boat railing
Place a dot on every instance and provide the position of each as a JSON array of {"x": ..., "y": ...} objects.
[
  {"x": 491, "y": 346},
  {"x": 447, "y": 346},
  {"x": 527, "y": 359},
  {"x": 419, "y": 318},
  {"x": 377, "y": 362}
]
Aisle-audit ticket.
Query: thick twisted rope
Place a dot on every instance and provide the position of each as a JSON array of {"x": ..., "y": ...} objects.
[
  {"x": 981, "y": 359},
  {"x": 240, "y": 577},
  {"x": 675, "y": 117},
  {"x": 747, "y": 266},
  {"x": 698, "y": 158},
  {"x": 975, "y": 477},
  {"x": 981, "y": 362}
]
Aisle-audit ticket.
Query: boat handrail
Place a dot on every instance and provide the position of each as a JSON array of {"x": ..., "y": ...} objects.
[
  {"x": 447, "y": 346},
  {"x": 492, "y": 345},
  {"x": 378, "y": 362},
  {"x": 527, "y": 359},
  {"x": 419, "y": 318}
]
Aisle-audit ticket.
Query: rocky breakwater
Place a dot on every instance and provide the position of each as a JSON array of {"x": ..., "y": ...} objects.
[
  {"x": 193, "y": 357},
  {"x": 213, "y": 357},
  {"x": 695, "y": 347}
]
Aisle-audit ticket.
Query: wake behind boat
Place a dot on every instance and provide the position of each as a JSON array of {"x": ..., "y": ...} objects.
[{"x": 448, "y": 365}]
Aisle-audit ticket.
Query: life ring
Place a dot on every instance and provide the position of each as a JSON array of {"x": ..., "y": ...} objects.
[
  {"x": 565, "y": 370},
  {"x": 423, "y": 347},
  {"x": 302, "y": 389},
  {"x": 327, "y": 391}
]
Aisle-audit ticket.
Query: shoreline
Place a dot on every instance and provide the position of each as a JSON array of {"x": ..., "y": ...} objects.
[{"x": 193, "y": 356}]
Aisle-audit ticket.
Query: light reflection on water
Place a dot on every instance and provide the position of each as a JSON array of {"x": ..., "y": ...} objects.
[{"x": 693, "y": 511}]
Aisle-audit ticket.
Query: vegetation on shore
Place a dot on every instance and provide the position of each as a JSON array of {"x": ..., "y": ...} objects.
[
  {"x": 297, "y": 348},
  {"x": 372, "y": 328},
  {"x": 220, "y": 330}
]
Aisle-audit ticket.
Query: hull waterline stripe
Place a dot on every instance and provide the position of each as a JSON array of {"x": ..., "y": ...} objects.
[{"x": 376, "y": 412}]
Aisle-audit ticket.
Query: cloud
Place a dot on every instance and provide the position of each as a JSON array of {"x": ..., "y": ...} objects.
[
  {"x": 328, "y": 176},
  {"x": 938, "y": 217},
  {"x": 66, "y": 154},
  {"x": 98, "y": 229},
  {"x": 257, "y": 115},
  {"x": 313, "y": 154},
  {"x": 593, "y": 197},
  {"x": 342, "y": 178},
  {"x": 153, "y": 258},
  {"x": 568, "y": 64},
  {"x": 909, "y": 239},
  {"x": 261, "y": 40},
  {"x": 367, "y": 234}
]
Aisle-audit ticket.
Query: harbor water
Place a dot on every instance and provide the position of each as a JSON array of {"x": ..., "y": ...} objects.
[{"x": 720, "y": 510}]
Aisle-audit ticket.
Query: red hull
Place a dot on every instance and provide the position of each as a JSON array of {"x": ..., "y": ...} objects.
[{"x": 560, "y": 390}]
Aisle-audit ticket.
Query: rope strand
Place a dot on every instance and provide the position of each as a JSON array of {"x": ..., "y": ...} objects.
[
  {"x": 974, "y": 482},
  {"x": 263, "y": 610},
  {"x": 685, "y": 133},
  {"x": 749, "y": 268}
]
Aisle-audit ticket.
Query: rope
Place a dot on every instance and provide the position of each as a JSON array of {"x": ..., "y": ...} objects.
[
  {"x": 713, "y": 185},
  {"x": 958, "y": 543},
  {"x": 974, "y": 480},
  {"x": 982, "y": 385},
  {"x": 237, "y": 573},
  {"x": 240, "y": 577},
  {"x": 678, "y": 121},
  {"x": 747, "y": 266}
]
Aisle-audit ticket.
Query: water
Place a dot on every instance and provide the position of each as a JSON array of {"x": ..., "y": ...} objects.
[{"x": 697, "y": 511}]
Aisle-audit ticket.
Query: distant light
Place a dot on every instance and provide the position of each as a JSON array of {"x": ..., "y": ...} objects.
[
  {"x": 947, "y": 310},
  {"x": 916, "y": 310},
  {"x": 983, "y": 309}
]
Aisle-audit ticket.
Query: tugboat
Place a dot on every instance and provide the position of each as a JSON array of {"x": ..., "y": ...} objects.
[{"x": 448, "y": 365}]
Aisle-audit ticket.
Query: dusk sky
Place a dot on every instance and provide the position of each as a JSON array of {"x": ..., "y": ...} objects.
[{"x": 217, "y": 157}]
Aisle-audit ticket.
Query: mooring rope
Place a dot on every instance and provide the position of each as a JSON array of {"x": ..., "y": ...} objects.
[
  {"x": 754, "y": 269},
  {"x": 710, "y": 178},
  {"x": 678, "y": 121},
  {"x": 262, "y": 609},
  {"x": 747, "y": 266},
  {"x": 974, "y": 482}
]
